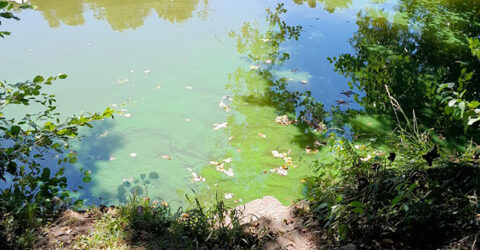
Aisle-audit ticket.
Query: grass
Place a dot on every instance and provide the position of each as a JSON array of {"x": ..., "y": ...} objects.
[{"x": 149, "y": 224}]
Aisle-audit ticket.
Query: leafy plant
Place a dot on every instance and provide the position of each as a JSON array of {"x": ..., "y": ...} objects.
[{"x": 33, "y": 185}]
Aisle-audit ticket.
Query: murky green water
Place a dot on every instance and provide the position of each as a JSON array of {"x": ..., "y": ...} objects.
[{"x": 166, "y": 65}]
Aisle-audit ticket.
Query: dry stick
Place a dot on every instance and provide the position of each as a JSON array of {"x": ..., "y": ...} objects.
[{"x": 474, "y": 242}]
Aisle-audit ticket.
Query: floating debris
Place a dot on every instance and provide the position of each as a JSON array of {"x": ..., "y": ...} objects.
[
  {"x": 127, "y": 179},
  {"x": 189, "y": 87},
  {"x": 147, "y": 71},
  {"x": 237, "y": 201},
  {"x": 220, "y": 167},
  {"x": 223, "y": 105},
  {"x": 230, "y": 138},
  {"x": 122, "y": 81},
  {"x": 264, "y": 40},
  {"x": 303, "y": 181},
  {"x": 284, "y": 156},
  {"x": 254, "y": 66},
  {"x": 158, "y": 87},
  {"x": 104, "y": 134},
  {"x": 187, "y": 120},
  {"x": 214, "y": 163},
  {"x": 276, "y": 154},
  {"x": 319, "y": 144},
  {"x": 131, "y": 71},
  {"x": 347, "y": 93},
  {"x": 228, "y": 172},
  {"x": 280, "y": 171},
  {"x": 262, "y": 135},
  {"x": 342, "y": 102},
  {"x": 283, "y": 120},
  {"x": 166, "y": 157},
  {"x": 294, "y": 69},
  {"x": 321, "y": 127},
  {"x": 127, "y": 115},
  {"x": 196, "y": 177},
  {"x": 268, "y": 61},
  {"x": 133, "y": 155},
  {"x": 304, "y": 82},
  {"x": 228, "y": 196},
  {"x": 219, "y": 126},
  {"x": 114, "y": 105},
  {"x": 111, "y": 158}
]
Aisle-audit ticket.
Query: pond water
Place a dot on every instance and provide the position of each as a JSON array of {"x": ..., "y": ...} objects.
[{"x": 166, "y": 65}]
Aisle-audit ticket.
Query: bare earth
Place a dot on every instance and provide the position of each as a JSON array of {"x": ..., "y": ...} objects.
[{"x": 284, "y": 224}]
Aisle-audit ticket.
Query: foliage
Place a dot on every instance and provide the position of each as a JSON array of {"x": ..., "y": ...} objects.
[
  {"x": 28, "y": 144},
  {"x": 156, "y": 225},
  {"x": 457, "y": 107},
  {"x": 386, "y": 198},
  {"x": 6, "y": 9}
]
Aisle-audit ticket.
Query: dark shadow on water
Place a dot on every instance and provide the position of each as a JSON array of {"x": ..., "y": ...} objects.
[
  {"x": 97, "y": 145},
  {"x": 136, "y": 186}
]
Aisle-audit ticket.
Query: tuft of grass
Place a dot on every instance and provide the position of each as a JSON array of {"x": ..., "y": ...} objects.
[{"x": 151, "y": 224}]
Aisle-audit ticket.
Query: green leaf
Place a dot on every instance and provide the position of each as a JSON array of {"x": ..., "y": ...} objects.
[
  {"x": 87, "y": 179},
  {"x": 358, "y": 210},
  {"x": 397, "y": 200},
  {"x": 343, "y": 232},
  {"x": 62, "y": 76},
  {"x": 452, "y": 102},
  {"x": 12, "y": 168},
  {"x": 78, "y": 204},
  {"x": 45, "y": 175},
  {"x": 3, "y": 5},
  {"x": 472, "y": 121},
  {"x": 356, "y": 204},
  {"x": 72, "y": 160},
  {"x": 38, "y": 79},
  {"x": 473, "y": 104},
  {"x": 14, "y": 130}
]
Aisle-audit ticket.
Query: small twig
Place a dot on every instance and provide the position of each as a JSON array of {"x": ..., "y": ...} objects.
[{"x": 474, "y": 242}]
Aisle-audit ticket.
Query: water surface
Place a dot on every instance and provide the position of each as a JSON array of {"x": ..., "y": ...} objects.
[{"x": 166, "y": 65}]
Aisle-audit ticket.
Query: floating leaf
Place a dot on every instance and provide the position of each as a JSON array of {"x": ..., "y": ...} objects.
[
  {"x": 218, "y": 126},
  {"x": 166, "y": 157}
]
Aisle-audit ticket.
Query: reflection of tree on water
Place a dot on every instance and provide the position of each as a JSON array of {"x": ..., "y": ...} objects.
[
  {"x": 329, "y": 5},
  {"x": 413, "y": 50},
  {"x": 120, "y": 14},
  {"x": 69, "y": 12},
  {"x": 259, "y": 96},
  {"x": 260, "y": 85}
]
